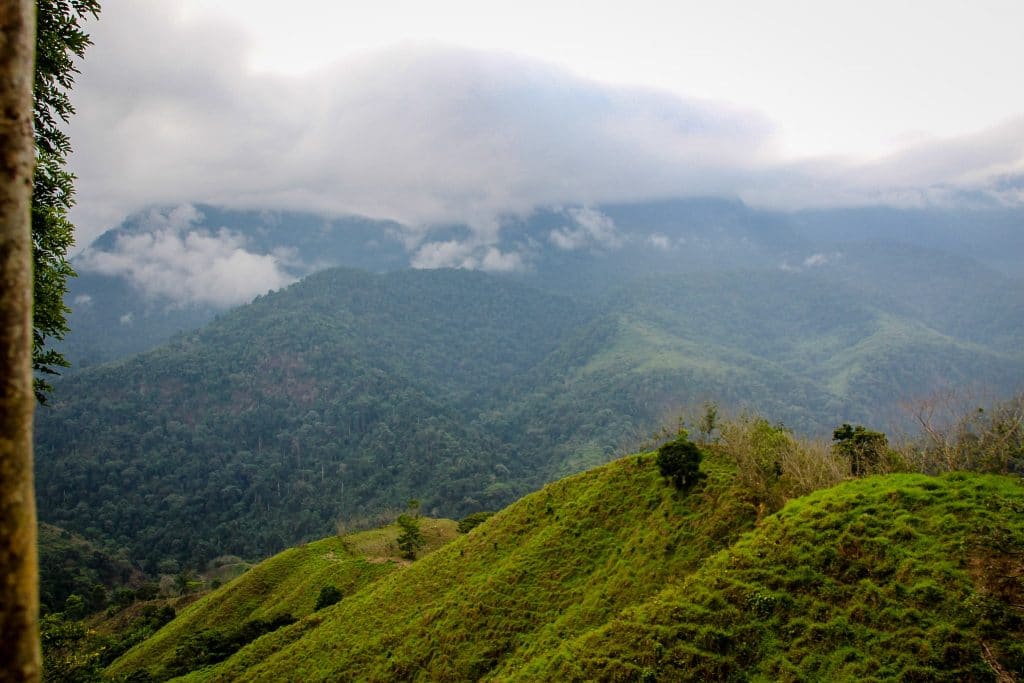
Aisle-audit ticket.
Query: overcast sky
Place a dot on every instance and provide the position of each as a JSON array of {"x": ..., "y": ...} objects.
[{"x": 430, "y": 112}]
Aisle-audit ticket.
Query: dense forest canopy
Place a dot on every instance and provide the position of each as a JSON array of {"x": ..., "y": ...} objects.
[{"x": 346, "y": 394}]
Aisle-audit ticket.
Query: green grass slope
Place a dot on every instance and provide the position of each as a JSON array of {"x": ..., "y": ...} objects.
[
  {"x": 286, "y": 584},
  {"x": 552, "y": 566},
  {"x": 614, "y": 575},
  {"x": 904, "y": 577}
]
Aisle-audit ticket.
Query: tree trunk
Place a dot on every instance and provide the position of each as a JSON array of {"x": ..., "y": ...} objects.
[{"x": 19, "y": 583}]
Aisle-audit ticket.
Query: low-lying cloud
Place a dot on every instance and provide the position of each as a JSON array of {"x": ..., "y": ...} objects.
[
  {"x": 171, "y": 260},
  {"x": 168, "y": 112},
  {"x": 815, "y": 260},
  {"x": 970, "y": 169},
  {"x": 660, "y": 241},
  {"x": 589, "y": 228},
  {"x": 455, "y": 254}
]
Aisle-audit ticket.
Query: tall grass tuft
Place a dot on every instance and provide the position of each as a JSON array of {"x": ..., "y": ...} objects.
[{"x": 774, "y": 465}]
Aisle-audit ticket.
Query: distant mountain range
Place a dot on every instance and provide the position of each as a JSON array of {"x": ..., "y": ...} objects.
[
  {"x": 170, "y": 270},
  {"x": 349, "y": 391}
]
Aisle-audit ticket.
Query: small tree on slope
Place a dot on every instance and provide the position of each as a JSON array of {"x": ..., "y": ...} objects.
[
  {"x": 679, "y": 460},
  {"x": 411, "y": 539}
]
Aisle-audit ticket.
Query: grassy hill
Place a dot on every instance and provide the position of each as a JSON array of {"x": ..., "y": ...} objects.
[
  {"x": 277, "y": 591},
  {"x": 558, "y": 562},
  {"x": 902, "y": 577},
  {"x": 613, "y": 574}
]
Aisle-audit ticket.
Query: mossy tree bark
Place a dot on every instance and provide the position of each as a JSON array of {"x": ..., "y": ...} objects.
[{"x": 19, "y": 591}]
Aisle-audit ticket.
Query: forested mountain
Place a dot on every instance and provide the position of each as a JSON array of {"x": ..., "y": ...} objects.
[
  {"x": 131, "y": 293},
  {"x": 334, "y": 398},
  {"x": 350, "y": 392},
  {"x": 74, "y": 566},
  {"x": 170, "y": 270}
]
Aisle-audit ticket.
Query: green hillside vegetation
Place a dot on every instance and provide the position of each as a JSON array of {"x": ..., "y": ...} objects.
[
  {"x": 347, "y": 394},
  {"x": 955, "y": 271},
  {"x": 277, "y": 592},
  {"x": 776, "y": 566},
  {"x": 77, "y": 649},
  {"x": 74, "y": 566},
  {"x": 340, "y": 397},
  {"x": 558, "y": 562},
  {"x": 898, "y": 577},
  {"x": 801, "y": 348}
]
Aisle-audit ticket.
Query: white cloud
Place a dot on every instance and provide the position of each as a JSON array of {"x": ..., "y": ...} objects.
[
  {"x": 939, "y": 172},
  {"x": 660, "y": 241},
  {"x": 590, "y": 228},
  {"x": 815, "y": 260},
  {"x": 170, "y": 111},
  {"x": 455, "y": 254},
  {"x": 567, "y": 239},
  {"x": 944, "y": 71},
  {"x": 82, "y": 300},
  {"x": 126, "y": 319},
  {"x": 173, "y": 260},
  {"x": 449, "y": 254},
  {"x": 495, "y": 260}
]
